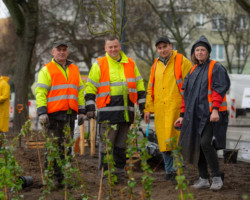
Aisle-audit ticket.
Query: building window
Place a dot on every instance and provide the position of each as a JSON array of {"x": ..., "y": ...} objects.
[
  {"x": 199, "y": 20},
  {"x": 242, "y": 22},
  {"x": 242, "y": 51},
  {"x": 218, "y": 23},
  {"x": 217, "y": 52}
]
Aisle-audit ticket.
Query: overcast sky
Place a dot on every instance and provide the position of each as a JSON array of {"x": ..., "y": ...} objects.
[{"x": 3, "y": 10}]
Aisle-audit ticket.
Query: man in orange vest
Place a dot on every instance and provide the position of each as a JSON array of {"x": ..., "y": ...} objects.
[
  {"x": 59, "y": 99},
  {"x": 114, "y": 85},
  {"x": 164, "y": 97}
]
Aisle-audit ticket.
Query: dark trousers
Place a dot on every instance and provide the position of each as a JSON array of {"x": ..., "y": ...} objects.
[
  {"x": 1, "y": 139},
  {"x": 118, "y": 139},
  {"x": 208, "y": 154},
  {"x": 55, "y": 129}
]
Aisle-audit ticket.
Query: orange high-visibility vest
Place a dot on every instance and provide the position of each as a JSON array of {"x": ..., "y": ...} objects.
[
  {"x": 103, "y": 91},
  {"x": 223, "y": 106},
  {"x": 63, "y": 93},
  {"x": 177, "y": 73}
]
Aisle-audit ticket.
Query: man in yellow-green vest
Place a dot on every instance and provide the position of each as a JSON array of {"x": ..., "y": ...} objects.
[
  {"x": 59, "y": 99},
  {"x": 114, "y": 85}
]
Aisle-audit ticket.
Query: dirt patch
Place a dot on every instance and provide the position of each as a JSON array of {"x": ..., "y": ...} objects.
[{"x": 236, "y": 184}]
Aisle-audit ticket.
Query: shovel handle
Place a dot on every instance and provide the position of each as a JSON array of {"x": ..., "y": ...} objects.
[
  {"x": 231, "y": 155},
  {"x": 147, "y": 131}
]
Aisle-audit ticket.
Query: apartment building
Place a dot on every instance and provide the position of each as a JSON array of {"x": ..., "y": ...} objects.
[{"x": 223, "y": 22}]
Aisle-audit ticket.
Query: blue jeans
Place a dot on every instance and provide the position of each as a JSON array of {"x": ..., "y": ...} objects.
[{"x": 168, "y": 162}]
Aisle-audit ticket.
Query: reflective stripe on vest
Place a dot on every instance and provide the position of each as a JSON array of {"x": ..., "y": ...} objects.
[
  {"x": 177, "y": 73},
  {"x": 223, "y": 106},
  {"x": 103, "y": 91},
  {"x": 63, "y": 93},
  {"x": 117, "y": 108}
]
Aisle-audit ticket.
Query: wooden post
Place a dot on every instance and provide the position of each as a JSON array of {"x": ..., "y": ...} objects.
[
  {"x": 6, "y": 195},
  {"x": 100, "y": 187},
  {"x": 92, "y": 139},
  {"x": 82, "y": 139}
]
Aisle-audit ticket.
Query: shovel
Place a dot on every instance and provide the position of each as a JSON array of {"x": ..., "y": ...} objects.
[{"x": 227, "y": 162}]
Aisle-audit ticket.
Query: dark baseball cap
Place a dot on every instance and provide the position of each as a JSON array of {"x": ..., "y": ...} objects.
[
  {"x": 162, "y": 39},
  {"x": 59, "y": 43}
]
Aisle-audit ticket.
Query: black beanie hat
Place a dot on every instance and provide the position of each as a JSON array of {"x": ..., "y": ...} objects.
[{"x": 203, "y": 44}]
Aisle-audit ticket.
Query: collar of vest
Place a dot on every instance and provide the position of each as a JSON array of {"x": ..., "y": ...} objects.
[
  {"x": 124, "y": 58},
  {"x": 173, "y": 54},
  {"x": 165, "y": 60},
  {"x": 67, "y": 62}
]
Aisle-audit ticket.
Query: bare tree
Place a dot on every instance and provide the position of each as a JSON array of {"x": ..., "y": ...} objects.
[
  {"x": 245, "y": 4},
  {"x": 175, "y": 16},
  {"x": 8, "y": 50},
  {"x": 70, "y": 26},
  {"x": 230, "y": 23},
  {"x": 103, "y": 17},
  {"x": 142, "y": 31},
  {"x": 25, "y": 19},
  {"x": 241, "y": 46}
]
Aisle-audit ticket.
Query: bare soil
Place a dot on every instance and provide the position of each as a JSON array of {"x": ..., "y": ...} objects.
[{"x": 236, "y": 183}]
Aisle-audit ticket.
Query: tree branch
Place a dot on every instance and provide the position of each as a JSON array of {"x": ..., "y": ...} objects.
[
  {"x": 16, "y": 15},
  {"x": 245, "y": 4}
]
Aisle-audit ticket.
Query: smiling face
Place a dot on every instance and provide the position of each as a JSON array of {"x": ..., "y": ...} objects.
[
  {"x": 201, "y": 54},
  {"x": 164, "y": 49},
  {"x": 60, "y": 53},
  {"x": 113, "y": 48}
]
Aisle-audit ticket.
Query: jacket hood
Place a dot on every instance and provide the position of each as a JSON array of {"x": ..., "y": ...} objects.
[
  {"x": 6, "y": 78},
  {"x": 202, "y": 39}
]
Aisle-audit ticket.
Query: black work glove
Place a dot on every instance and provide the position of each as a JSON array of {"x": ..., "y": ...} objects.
[
  {"x": 80, "y": 119},
  {"x": 91, "y": 114}
]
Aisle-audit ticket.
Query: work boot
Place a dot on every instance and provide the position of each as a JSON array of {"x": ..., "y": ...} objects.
[
  {"x": 217, "y": 183},
  {"x": 56, "y": 185},
  {"x": 59, "y": 185},
  {"x": 171, "y": 177},
  {"x": 167, "y": 177},
  {"x": 121, "y": 175},
  {"x": 202, "y": 183},
  {"x": 120, "y": 172}
]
